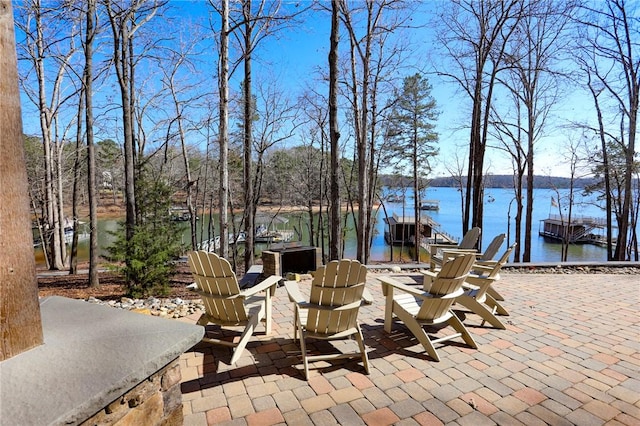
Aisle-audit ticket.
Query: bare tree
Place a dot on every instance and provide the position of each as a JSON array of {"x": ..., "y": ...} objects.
[
  {"x": 179, "y": 81},
  {"x": 276, "y": 122},
  {"x": 315, "y": 107},
  {"x": 125, "y": 22},
  {"x": 335, "y": 239},
  {"x": 49, "y": 45},
  {"x": 249, "y": 25},
  {"x": 256, "y": 24},
  {"x": 380, "y": 18},
  {"x": 509, "y": 133},
  {"x": 532, "y": 78},
  {"x": 573, "y": 159},
  {"x": 90, "y": 32},
  {"x": 78, "y": 159},
  {"x": 223, "y": 129},
  {"x": 474, "y": 34},
  {"x": 609, "y": 53}
]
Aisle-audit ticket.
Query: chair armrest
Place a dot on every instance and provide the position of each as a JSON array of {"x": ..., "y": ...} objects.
[
  {"x": 478, "y": 269},
  {"x": 194, "y": 288},
  {"x": 262, "y": 286},
  {"x": 479, "y": 280},
  {"x": 367, "y": 297},
  {"x": 346, "y": 307},
  {"x": 429, "y": 274},
  {"x": 457, "y": 251},
  {"x": 448, "y": 254},
  {"x": 388, "y": 281},
  {"x": 428, "y": 277},
  {"x": 293, "y": 290},
  {"x": 452, "y": 246},
  {"x": 486, "y": 263}
]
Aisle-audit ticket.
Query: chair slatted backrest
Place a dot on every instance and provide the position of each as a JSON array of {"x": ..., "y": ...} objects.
[
  {"x": 485, "y": 278},
  {"x": 452, "y": 274},
  {"x": 470, "y": 239},
  {"x": 219, "y": 286},
  {"x": 493, "y": 247},
  {"x": 336, "y": 295},
  {"x": 446, "y": 287},
  {"x": 501, "y": 262},
  {"x": 503, "y": 259}
]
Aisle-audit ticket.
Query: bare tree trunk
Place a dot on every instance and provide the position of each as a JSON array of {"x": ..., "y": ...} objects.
[
  {"x": 526, "y": 254},
  {"x": 73, "y": 258},
  {"x": 567, "y": 239},
  {"x": 223, "y": 191},
  {"x": 91, "y": 156},
  {"x": 185, "y": 157},
  {"x": 606, "y": 173},
  {"x": 416, "y": 198},
  {"x": 122, "y": 40},
  {"x": 249, "y": 204},
  {"x": 20, "y": 321},
  {"x": 53, "y": 224},
  {"x": 334, "y": 134},
  {"x": 609, "y": 45},
  {"x": 58, "y": 193}
]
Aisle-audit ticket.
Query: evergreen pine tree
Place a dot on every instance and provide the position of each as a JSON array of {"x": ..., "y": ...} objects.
[{"x": 156, "y": 241}]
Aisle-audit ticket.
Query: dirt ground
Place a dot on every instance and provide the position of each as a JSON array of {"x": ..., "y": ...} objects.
[{"x": 112, "y": 285}]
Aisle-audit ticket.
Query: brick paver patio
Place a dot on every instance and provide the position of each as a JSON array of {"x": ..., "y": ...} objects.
[{"x": 570, "y": 355}]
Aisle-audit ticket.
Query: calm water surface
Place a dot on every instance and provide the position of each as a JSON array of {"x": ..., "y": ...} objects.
[{"x": 499, "y": 207}]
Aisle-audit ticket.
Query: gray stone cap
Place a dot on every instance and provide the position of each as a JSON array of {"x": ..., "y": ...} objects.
[{"x": 91, "y": 355}]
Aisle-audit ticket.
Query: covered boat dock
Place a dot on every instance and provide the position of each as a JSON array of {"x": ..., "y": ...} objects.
[{"x": 580, "y": 230}]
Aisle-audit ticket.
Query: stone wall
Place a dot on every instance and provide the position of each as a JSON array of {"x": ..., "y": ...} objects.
[
  {"x": 156, "y": 401},
  {"x": 270, "y": 263}
]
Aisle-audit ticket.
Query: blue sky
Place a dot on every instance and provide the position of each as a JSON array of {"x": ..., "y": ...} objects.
[{"x": 294, "y": 56}]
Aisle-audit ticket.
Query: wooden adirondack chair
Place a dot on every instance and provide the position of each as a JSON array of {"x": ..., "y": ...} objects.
[
  {"x": 331, "y": 312},
  {"x": 225, "y": 304},
  {"x": 419, "y": 307},
  {"x": 468, "y": 242},
  {"x": 476, "y": 297}
]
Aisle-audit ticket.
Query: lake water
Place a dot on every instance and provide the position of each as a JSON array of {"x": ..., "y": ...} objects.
[
  {"x": 497, "y": 210},
  {"x": 498, "y": 206}
]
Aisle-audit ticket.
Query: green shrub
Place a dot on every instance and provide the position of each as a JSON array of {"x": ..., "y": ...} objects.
[{"x": 148, "y": 258}]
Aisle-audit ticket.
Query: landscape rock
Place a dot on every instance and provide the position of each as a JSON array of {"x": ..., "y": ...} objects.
[{"x": 166, "y": 308}]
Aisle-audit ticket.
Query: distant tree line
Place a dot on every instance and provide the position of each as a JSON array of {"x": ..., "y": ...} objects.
[{"x": 496, "y": 181}]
